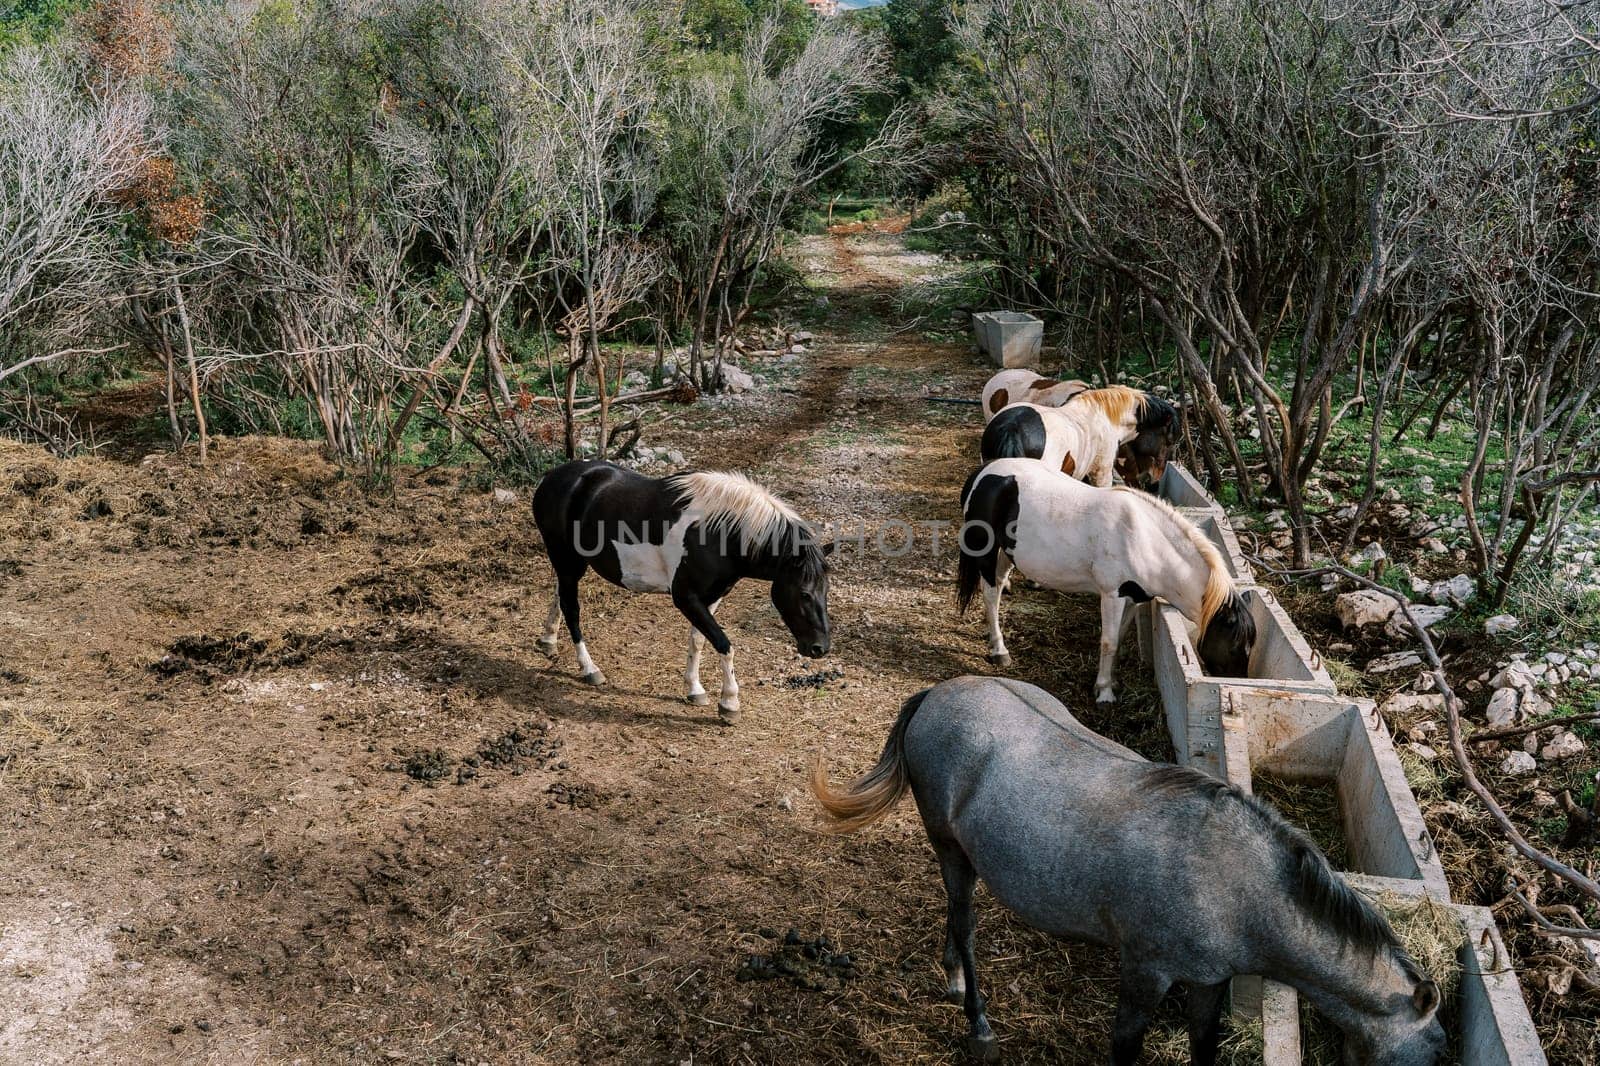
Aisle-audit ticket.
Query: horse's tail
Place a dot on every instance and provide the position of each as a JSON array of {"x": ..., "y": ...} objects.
[
  {"x": 966, "y": 578},
  {"x": 871, "y": 796},
  {"x": 989, "y": 514},
  {"x": 1014, "y": 433}
]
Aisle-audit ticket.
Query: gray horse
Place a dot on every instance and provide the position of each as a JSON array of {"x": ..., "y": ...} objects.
[{"x": 1190, "y": 879}]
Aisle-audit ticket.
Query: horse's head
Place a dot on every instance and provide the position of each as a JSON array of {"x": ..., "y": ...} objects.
[
  {"x": 1142, "y": 461},
  {"x": 1406, "y": 1033},
  {"x": 1229, "y": 638},
  {"x": 800, "y": 593}
]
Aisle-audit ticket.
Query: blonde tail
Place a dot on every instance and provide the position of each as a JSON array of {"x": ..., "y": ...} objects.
[{"x": 876, "y": 791}]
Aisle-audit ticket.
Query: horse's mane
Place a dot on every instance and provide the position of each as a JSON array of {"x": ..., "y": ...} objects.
[
  {"x": 1122, "y": 403},
  {"x": 1117, "y": 402},
  {"x": 1155, "y": 411},
  {"x": 1324, "y": 894},
  {"x": 761, "y": 519},
  {"x": 1219, "y": 583}
]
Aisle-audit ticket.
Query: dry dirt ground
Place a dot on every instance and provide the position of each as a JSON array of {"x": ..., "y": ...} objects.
[{"x": 221, "y": 689}]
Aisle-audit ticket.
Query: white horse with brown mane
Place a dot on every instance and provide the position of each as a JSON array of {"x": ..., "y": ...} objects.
[
  {"x": 1025, "y": 386},
  {"x": 1115, "y": 428},
  {"x": 1117, "y": 543}
]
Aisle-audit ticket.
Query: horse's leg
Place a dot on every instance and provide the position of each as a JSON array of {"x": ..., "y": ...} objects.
[
  {"x": 991, "y": 605},
  {"x": 699, "y": 615},
  {"x": 1138, "y": 995},
  {"x": 961, "y": 928},
  {"x": 567, "y": 590},
  {"x": 1205, "y": 1022},
  {"x": 1111, "y": 609},
  {"x": 696, "y": 693},
  {"x": 728, "y": 700},
  {"x": 552, "y": 620}
]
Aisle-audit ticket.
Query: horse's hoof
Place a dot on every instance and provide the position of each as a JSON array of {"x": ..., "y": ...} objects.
[
  {"x": 983, "y": 1048},
  {"x": 955, "y": 995},
  {"x": 697, "y": 699},
  {"x": 596, "y": 679},
  {"x": 999, "y": 660},
  {"x": 547, "y": 647},
  {"x": 729, "y": 715},
  {"x": 1106, "y": 697}
]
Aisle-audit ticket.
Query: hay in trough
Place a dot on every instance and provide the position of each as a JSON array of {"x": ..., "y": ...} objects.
[{"x": 1309, "y": 805}]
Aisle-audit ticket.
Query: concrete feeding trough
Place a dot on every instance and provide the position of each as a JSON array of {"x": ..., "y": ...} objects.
[
  {"x": 1287, "y": 721},
  {"x": 1215, "y": 526},
  {"x": 1280, "y": 662},
  {"x": 1010, "y": 338},
  {"x": 1299, "y": 737},
  {"x": 1182, "y": 489}
]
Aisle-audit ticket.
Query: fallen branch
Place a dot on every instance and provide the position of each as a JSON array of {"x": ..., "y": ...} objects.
[
  {"x": 952, "y": 399},
  {"x": 1483, "y": 736},
  {"x": 666, "y": 392},
  {"x": 1458, "y": 750}
]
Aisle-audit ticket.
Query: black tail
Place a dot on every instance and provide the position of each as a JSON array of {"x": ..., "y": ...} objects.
[
  {"x": 876, "y": 791},
  {"x": 989, "y": 517},
  {"x": 1015, "y": 433}
]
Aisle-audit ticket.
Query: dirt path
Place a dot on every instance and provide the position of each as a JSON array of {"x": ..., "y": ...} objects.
[{"x": 213, "y": 683}]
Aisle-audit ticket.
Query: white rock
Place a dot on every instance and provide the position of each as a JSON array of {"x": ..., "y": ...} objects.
[
  {"x": 1503, "y": 707},
  {"x": 1500, "y": 623},
  {"x": 1435, "y": 546},
  {"x": 803, "y": 336},
  {"x": 1402, "y": 704},
  {"x": 504, "y": 496},
  {"x": 1423, "y": 752},
  {"x": 1554, "y": 657},
  {"x": 1516, "y": 676},
  {"x": 1364, "y": 607},
  {"x": 1275, "y": 520},
  {"x": 1371, "y": 553},
  {"x": 675, "y": 457},
  {"x": 736, "y": 380},
  {"x": 1518, "y": 762},
  {"x": 1427, "y": 616},
  {"x": 1388, "y": 664},
  {"x": 1457, "y": 590},
  {"x": 1425, "y": 485},
  {"x": 1564, "y": 745}
]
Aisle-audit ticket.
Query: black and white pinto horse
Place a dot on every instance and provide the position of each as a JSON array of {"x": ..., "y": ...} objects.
[
  {"x": 1126, "y": 546},
  {"x": 1192, "y": 881},
  {"x": 1090, "y": 435},
  {"x": 693, "y": 536}
]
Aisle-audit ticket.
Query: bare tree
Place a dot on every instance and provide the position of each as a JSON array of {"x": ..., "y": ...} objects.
[
  {"x": 743, "y": 149},
  {"x": 66, "y": 146}
]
